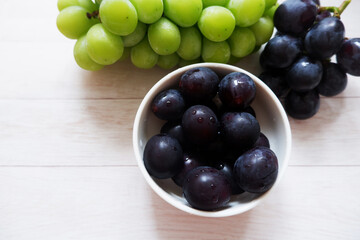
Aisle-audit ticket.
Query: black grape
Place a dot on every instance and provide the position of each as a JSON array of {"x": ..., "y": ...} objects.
[
  {"x": 334, "y": 80},
  {"x": 325, "y": 38},
  {"x": 349, "y": 56},
  {"x": 275, "y": 80},
  {"x": 302, "y": 105},
  {"x": 168, "y": 105}
]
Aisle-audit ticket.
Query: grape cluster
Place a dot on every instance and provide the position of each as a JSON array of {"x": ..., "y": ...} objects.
[
  {"x": 297, "y": 61},
  {"x": 164, "y": 32},
  {"x": 211, "y": 144}
]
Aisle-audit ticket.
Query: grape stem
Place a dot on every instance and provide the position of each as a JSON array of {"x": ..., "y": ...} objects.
[
  {"x": 336, "y": 10},
  {"x": 94, "y": 14}
]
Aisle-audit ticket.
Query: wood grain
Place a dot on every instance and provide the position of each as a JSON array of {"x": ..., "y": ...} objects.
[{"x": 115, "y": 203}]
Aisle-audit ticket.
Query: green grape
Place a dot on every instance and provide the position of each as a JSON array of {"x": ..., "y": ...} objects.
[
  {"x": 263, "y": 30},
  {"x": 246, "y": 12},
  {"x": 82, "y": 57},
  {"x": 190, "y": 46},
  {"x": 242, "y": 42},
  {"x": 72, "y": 22},
  {"x": 271, "y": 11},
  {"x": 216, "y": 23},
  {"x": 269, "y": 3},
  {"x": 87, "y": 4},
  {"x": 184, "y": 13},
  {"x": 168, "y": 61},
  {"x": 164, "y": 37},
  {"x": 215, "y": 51},
  {"x": 103, "y": 46},
  {"x": 135, "y": 37},
  {"x": 98, "y": 1},
  {"x": 149, "y": 11},
  {"x": 142, "y": 55},
  {"x": 118, "y": 16},
  {"x": 207, "y": 3},
  {"x": 126, "y": 54},
  {"x": 183, "y": 62}
]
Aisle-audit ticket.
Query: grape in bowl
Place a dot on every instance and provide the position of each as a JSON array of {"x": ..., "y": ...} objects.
[{"x": 269, "y": 113}]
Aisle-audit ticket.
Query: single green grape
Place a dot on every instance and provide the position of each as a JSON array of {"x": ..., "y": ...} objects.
[
  {"x": 126, "y": 54},
  {"x": 87, "y": 4},
  {"x": 183, "y": 62},
  {"x": 168, "y": 61},
  {"x": 269, "y": 3},
  {"x": 82, "y": 57},
  {"x": 263, "y": 30},
  {"x": 118, "y": 16},
  {"x": 242, "y": 42},
  {"x": 143, "y": 56},
  {"x": 207, "y": 3},
  {"x": 190, "y": 46},
  {"x": 135, "y": 37},
  {"x": 103, "y": 46},
  {"x": 149, "y": 11},
  {"x": 271, "y": 11},
  {"x": 246, "y": 12},
  {"x": 184, "y": 13},
  {"x": 216, "y": 23},
  {"x": 164, "y": 36},
  {"x": 73, "y": 22},
  {"x": 215, "y": 51}
]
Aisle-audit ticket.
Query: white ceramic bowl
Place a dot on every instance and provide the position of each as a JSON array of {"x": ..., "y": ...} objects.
[{"x": 273, "y": 123}]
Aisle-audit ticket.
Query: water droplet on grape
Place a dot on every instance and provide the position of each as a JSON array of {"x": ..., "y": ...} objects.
[
  {"x": 212, "y": 119},
  {"x": 200, "y": 120},
  {"x": 212, "y": 186},
  {"x": 168, "y": 103},
  {"x": 193, "y": 112}
]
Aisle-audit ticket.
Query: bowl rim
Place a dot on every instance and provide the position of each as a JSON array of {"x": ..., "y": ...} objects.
[{"x": 161, "y": 192}]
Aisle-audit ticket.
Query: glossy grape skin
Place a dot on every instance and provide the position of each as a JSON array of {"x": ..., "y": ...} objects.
[
  {"x": 87, "y": 4},
  {"x": 73, "y": 22},
  {"x": 191, "y": 43},
  {"x": 275, "y": 80},
  {"x": 149, "y": 11},
  {"x": 118, "y": 16},
  {"x": 191, "y": 161},
  {"x": 237, "y": 90},
  {"x": 322, "y": 15},
  {"x": 163, "y": 156},
  {"x": 218, "y": 52},
  {"x": 175, "y": 130},
  {"x": 256, "y": 170},
  {"x": 206, "y": 188},
  {"x": 246, "y": 12},
  {"x": 164, "y": 37},
  {"x": 168, "y": 105},
  {"x": 305, "y": 74},
  {"x": 269, "y": 3},
  {"x": 302, "y": 105},
  {"x": 103, "y": 46},
  {"x": 325, "y": 38},
  {"x": 271, "y": 11},
  {"x": 216, "y": 23},
  {"x": 262, "y": 141},
  {"x": 263, "y": 30},
  {"x": 280, "y": 52},
  {"x": 168, "y": 61},
  {"x": 200, "y": 124},
  {"x": 240, "y": 129},
  {"x": 184, "y": 13},
  {"x": 143, "y": 56},
  {"x": 349, "y": 56},
  {"x": 199, "y": 84},
  {"x": 136, "y": 36},
  {"x": 227, "y": 170},
  {"x": 334, "y": 80},
  {"x": 242, "y": 42},
  {"x": 82, "y": 57},
  {"x": 295, "y": 16},
  {"x": 207, "y": 3}
]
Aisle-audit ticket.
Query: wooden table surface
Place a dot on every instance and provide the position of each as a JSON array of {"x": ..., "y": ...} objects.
[{"x": 67, "y": 168}]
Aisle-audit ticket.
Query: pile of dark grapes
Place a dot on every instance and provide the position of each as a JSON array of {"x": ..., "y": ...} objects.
[
  {"x": 211, "y": 144},
  {"x": 297, "y": 61}
]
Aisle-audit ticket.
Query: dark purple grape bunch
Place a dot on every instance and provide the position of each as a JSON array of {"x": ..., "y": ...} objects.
[
  {"x": 210, "y": 130},
  {"x": 296, "y": 62}
]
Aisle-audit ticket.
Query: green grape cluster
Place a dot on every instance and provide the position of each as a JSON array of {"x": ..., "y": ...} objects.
[{"x": 166, "y": 33}]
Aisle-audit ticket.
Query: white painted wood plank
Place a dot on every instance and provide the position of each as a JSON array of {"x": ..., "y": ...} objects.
[{"x": 115, "y": 203}]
